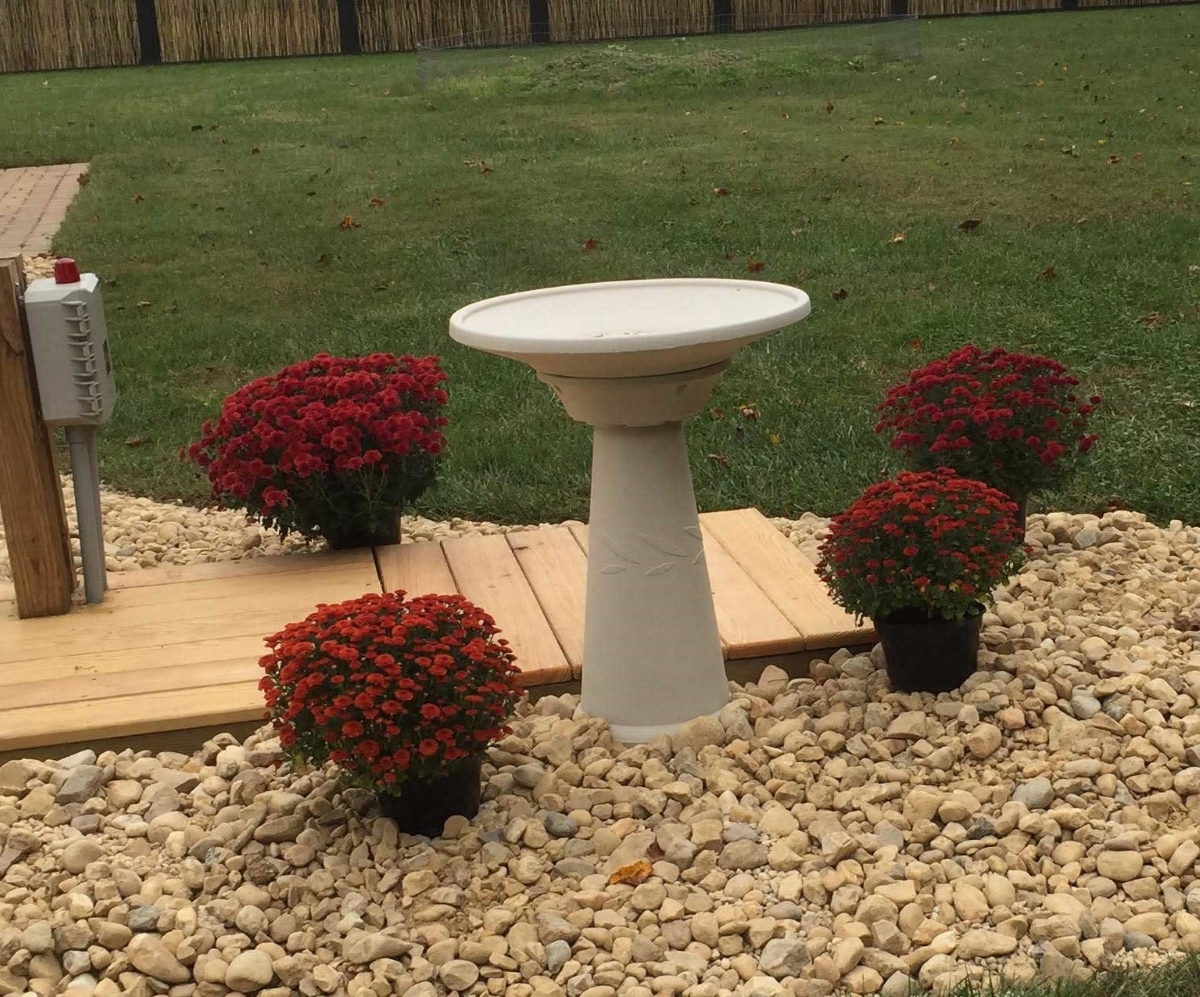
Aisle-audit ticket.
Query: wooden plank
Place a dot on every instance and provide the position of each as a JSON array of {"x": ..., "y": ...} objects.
[
  {"x": 31, "y": 500},
  {"x": 749, "y": 623},
  {"x": 112, "y": 624},
  {"x": 302, "y": 587},
  {"x": 580, "y": 532},
  {"x": 487, "y": 573},
  {"x": 87, "y": 687},
  {"x": 88, "y": 661},
  {"x": 185, "y": 741},
  {"x": 325, "y": 560},
  {"x": 787, "y": 577},
  {"x": 556, "y": 569},
  {"x": 128, "y": 715},
  {"x": 415, "y": 569}
]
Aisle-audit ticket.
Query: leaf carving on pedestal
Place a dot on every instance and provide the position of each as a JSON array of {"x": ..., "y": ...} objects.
[{"x": 659, "y": 544}]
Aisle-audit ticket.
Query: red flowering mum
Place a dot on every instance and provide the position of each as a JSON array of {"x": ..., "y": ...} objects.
[
  {"x": 930, "y": 541},
  {"x": 331, "y": 443},
  {"x": 389, "y": 688},
  {"x": 1010, "y": 419}
]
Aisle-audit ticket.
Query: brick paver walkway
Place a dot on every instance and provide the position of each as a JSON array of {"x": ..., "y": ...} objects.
[{"x": 33, "y": 203}]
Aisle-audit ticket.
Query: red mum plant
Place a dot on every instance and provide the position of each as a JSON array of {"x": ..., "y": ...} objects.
[
  {"x": 388, "y": 689},
  {"x": 1010, "y": 419},
  {"x": 927, "y": 544},
  {"x": 333, "y": 446}
]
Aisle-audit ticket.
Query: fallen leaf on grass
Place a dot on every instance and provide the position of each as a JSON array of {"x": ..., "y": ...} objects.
[
  {"x": 785, "y": 115},
  {"x": 1050, "y": 273},
  {"x": 750, "y": 411},
  {"x": 755, "y": 266},
  {"x": 323, "y": 258},
  {"x": 721, "y": 191},
  {"x": 717, "y": 413},
  {"x": 1137, "y": 157},
  {"x": 970, "y": 225},
  {"x": 255, "y": 152},
  {"x": 83, "y": 179},
  {"x": 197, "y": 128},
  {"x": 841, "y": 294},
  {"x": 138, "y": 199},
  {"x": 755, "y": 190},
  {"x": 1070, "y": 150},
  {"x": 143, "y": 304},
  {"x": 916, "y": 345},
  {"x": 1113, "y": 160},
  {"x": 312, "y": 193},
  {"x": 878, "y": 120},
  {"x": 347, "y": 223},
  {"x": 898, "y": 237},
  {"x": 829, "y": 107},
  {"x": 377, "y": 202},
  {"x": 1194, "y": 268},
  {"x": 591, "y": 245},
  {"x": 487, "y": 170},
  {"x": 1155, "y": 319},
  {"x": 774, "y": 438},
  {"x": 137, "y": 441},
  {"x": 719, "y": 459}
]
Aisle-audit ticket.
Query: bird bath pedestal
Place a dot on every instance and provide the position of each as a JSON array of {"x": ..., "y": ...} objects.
[{"x": 635, "y": 359}]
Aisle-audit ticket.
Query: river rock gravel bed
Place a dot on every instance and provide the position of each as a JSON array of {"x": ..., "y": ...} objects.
[{"x": 821, "y": 836}]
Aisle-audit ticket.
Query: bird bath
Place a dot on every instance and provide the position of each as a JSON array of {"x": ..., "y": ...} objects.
[{"x": 635, "y": 359}]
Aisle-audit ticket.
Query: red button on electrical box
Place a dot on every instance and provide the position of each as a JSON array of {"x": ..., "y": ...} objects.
[{"x": 66, "y": 272}]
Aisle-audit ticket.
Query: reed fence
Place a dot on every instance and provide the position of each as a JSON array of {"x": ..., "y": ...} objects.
[
  {"x": 68, "y": 34},
  {"x": 73, "y": 34},
  {"x": 211, "y": 30}
]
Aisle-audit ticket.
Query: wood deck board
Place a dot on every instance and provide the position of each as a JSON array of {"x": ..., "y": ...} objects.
[
  {"x": 487, "y": 572},
  {"x": 88, "y": 686},
  {"x": 178, "y": 709},
  {"x": 749, "y": 623},
  {"x": 113, "y": 626},
  {"x": 271, "y": 564},
  {"x": 556, "y": 569},
  {"x": 51, "y": 670},
  {"x": 787, "y": 577},
  {"x": 415, "y": 569}
]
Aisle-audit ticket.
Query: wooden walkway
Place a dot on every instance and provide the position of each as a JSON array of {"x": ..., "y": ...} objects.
[
  {"x": 176, "y": 649},
  {"x": 33, "y": 203}
]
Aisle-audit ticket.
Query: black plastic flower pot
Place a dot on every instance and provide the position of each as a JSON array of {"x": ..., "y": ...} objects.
[
  {"x": 350, "y": 536},
  {"x": 929, "y": 654},
  {"x": 422, "y": 806},
  {"x": 1022, "y": 516}
]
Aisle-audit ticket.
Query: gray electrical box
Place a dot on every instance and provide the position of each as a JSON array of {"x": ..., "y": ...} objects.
[{"x": 70, "y": 348}]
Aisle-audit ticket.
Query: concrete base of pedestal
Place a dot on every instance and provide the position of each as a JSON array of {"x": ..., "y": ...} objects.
[{"x": 652, "y": 652}]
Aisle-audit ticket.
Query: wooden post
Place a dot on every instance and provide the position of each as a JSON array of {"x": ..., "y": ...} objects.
[{"x": 31, "y": 499}]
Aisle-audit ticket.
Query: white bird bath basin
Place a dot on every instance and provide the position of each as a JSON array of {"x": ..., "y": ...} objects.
[{"x": 635, "y": 359}]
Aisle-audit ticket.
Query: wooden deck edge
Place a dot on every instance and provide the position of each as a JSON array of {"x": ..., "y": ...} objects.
[{"x": 186, "y": 738}]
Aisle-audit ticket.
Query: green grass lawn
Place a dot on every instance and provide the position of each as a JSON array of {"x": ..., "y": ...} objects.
[
  {"x": 217, "y": 191},
  {"x": 1176, "y": 979}
]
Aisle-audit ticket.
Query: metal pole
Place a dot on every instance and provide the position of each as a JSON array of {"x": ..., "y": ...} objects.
[
  {"x": 81, "y": 441},
  {"x": 98, "y": 537}
]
